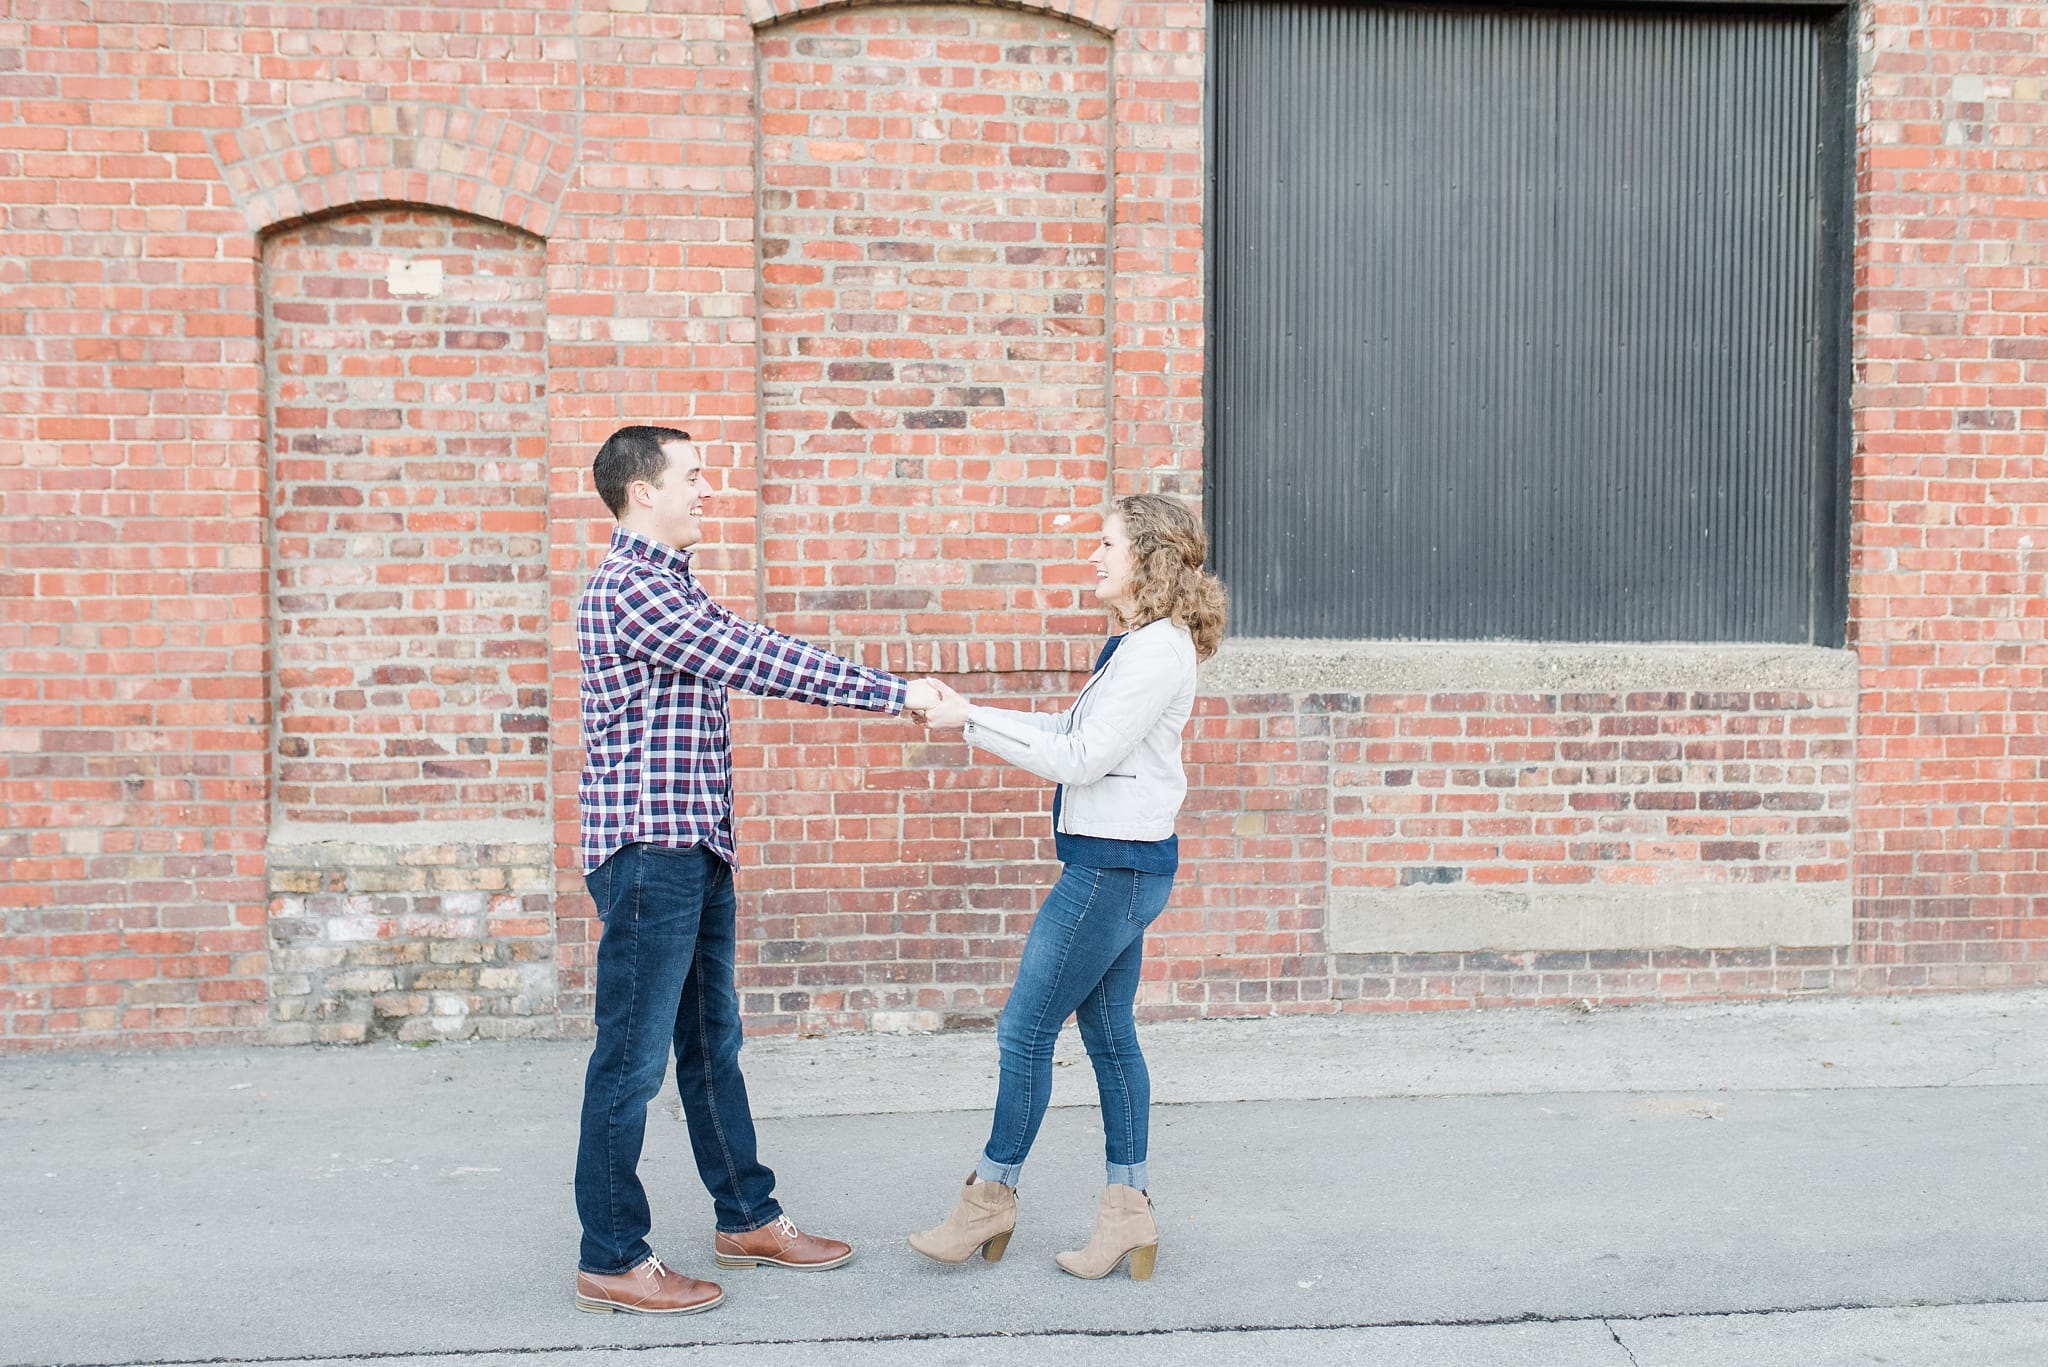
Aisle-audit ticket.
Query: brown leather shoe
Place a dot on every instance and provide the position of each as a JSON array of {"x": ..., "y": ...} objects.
[
  {"x": 649, "y": 1289},
  {"x": 779, "y": 1244}
]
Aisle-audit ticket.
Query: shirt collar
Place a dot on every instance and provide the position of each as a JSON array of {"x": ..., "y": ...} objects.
[{"x": 650, "y": 550}]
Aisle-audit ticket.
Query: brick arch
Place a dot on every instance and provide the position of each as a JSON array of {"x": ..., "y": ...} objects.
[
  {"x": 348, "y": 153},
  {"x": 1100, "y": 15}
]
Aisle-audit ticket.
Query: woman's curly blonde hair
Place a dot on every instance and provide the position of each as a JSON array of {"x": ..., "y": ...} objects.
[{"x": 1168, "y": 547}]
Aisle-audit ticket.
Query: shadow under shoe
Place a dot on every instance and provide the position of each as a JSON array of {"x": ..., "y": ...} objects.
[
  {"x": 1124, "y": 1228},
  {"x": 980, "y": 1222}
]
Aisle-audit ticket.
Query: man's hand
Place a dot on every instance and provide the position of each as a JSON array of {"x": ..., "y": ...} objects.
[
  {"x": 950, "y": 710},
  {"x": 919, "y": 699}
]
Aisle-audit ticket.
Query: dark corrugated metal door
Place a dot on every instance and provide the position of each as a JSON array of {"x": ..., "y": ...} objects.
[{"x": 1528, "y": 325}]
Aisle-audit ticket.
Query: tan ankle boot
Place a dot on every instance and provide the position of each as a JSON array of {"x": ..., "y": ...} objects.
[
  {"x": 981, "y": 1222},
  {"x": 1123, "y": 1225}
]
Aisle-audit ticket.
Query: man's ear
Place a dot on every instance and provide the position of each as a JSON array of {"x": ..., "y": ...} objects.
[{"x": 640, "y": 493}]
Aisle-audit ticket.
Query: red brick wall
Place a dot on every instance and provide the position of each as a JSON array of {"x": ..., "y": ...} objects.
[
  {"x": 1500, "y": 789},
  {"x": 1950, "y": 570},
  {"x": 934, "y": 370},
  {"x": 651, "y": 318},
  {"x": 151, "y": 155},
  {"x": 135, "y": 677},
  {"x": 1598, "y": 790}
]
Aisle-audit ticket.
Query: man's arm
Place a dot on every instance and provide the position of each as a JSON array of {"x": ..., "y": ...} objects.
[{"x": 701, "y": 638}]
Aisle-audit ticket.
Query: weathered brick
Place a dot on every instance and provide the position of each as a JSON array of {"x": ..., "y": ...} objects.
[{"x": 219, "y": 365}]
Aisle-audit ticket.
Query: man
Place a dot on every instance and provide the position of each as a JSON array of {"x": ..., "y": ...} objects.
[{"x": 657, "y": 853}]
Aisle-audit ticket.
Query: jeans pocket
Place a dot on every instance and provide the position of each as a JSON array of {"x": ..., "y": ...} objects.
[
  {"x": 1149, "y": 893},
  {"x": 599, "y": 884},
  {"x": 669, "y": 885}
]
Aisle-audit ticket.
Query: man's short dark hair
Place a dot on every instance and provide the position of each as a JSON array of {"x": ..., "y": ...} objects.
[{"x": 628, "y": 454}]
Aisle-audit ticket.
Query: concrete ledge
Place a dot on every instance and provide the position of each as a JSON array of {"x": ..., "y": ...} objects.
[
  {"x": 1269, "y": 665},
  {"x": 1688, "y": 916},
  {"x": 448, "y": 857},
  {"x": 412, "y": 834}
]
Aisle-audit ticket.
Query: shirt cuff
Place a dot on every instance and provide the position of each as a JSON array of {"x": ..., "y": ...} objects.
[{"x": 894, "y": 689}]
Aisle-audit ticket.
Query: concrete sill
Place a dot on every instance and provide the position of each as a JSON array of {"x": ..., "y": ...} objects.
[
  {"x": 1430, "y": 920},
  {"x": 1272, "y": 665}
]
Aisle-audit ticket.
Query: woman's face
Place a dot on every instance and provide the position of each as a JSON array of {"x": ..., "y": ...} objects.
[{"x": 1115, "y": 573}]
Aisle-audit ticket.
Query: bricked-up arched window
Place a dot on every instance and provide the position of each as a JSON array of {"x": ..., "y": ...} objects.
[
  {"x": 407, "y": 362},
  {"x": 934, "y": 297}
]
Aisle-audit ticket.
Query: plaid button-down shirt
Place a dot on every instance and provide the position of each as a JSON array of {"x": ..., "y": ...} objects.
[{"x": 658, "y": 656}]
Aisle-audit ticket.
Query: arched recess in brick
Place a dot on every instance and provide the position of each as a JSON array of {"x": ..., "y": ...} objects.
[
  {"x": 410, "y": 855},
  {"x": 345, "y": 153},
  {"x": 1100, "y": 15},
  {"x": 934, "y": 211}
]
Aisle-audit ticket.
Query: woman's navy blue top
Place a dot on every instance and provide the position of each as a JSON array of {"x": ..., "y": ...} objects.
[{"x": 1095, "y": 852}]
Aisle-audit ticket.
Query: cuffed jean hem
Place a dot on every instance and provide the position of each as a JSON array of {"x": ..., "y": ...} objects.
[
  {"x": 1129, "y": 1175},
  {"x": 988, "y": 1170},
  {"x": 617, "y": 1271},
  {"x": 760, "y": 1224}
]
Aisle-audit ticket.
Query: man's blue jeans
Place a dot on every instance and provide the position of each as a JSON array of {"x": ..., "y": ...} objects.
[
  {"x": 664, "y": 976},
  {"x": 1082, "y": 959}
]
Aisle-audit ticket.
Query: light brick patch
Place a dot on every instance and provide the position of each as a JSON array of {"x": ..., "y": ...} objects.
[{"x": 452, "y": 940}]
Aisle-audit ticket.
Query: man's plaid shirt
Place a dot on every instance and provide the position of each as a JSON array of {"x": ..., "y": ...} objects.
[{"x": 658, "y": 656}]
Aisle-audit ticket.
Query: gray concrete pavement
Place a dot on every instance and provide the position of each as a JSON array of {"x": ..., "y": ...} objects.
[{"x": 1811, "y": 1182}]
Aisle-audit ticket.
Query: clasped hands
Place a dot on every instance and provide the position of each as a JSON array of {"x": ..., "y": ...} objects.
[{"x": 932, "y": 702}]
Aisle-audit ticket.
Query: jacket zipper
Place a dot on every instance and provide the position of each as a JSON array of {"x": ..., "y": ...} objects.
[{"x": 1074, "y": 715}]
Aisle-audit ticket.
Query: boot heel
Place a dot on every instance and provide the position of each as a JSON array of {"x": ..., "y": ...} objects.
[
  {"x": 592, "y": 1307},
  {"x": 994, "y": 1249},
  {"x": 1142, "y": 1260}
]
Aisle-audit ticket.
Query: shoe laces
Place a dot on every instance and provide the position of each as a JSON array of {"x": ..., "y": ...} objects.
[
  {"x": 654, "y": 1267},
  {"x": 786, "y": 1229}
]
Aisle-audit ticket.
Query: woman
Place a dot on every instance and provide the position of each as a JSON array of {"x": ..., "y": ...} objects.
[{"x": 1116, "y": 756}]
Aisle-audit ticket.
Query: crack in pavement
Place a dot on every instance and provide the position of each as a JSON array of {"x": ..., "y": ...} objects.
[
  {"x": 1994, "y": 1045},
  {"x": 1615, "y": 1334},
  {"x": 974, "y": 1335}
]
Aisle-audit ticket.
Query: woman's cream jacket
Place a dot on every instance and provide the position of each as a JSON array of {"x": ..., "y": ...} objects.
[{"x": 1117, "y": 749}]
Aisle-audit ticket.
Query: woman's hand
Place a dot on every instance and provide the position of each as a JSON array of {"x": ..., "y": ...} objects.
[
  {"x": 918, "y": 700},
  {"x": 950, "y": 710}
]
